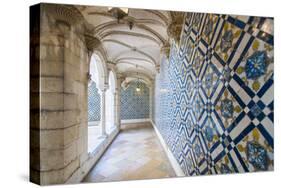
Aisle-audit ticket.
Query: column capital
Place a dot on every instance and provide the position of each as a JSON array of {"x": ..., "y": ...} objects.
[
  {"x": 175, "y": 27},
  {"x": 91, "y": 41},
  {"x": 102, "y": 89},
  {"x": 121, "y": 79},
  {"x": 165, "y": 49},
  {"x": 120, "y": 76},
  {"x": 157, "y": 67},
  {"x": 105, "y": 87},
  {"x": 89, "y": 76}
]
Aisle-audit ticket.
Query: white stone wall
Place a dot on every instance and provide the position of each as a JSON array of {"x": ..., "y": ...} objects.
[{"x": 59, "y": 87}]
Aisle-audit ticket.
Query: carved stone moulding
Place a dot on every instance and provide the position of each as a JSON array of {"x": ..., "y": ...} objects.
[
  {"x": 91, "y": 42},
  {"x": 174, "y": 31},
  {"x": 166, "y": 49},
  {"x": 65, "y": 13},
  {"x": 175, "y": 27}
]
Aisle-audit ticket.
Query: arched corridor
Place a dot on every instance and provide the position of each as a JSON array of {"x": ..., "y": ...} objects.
[{"x": 128, "y": 94}]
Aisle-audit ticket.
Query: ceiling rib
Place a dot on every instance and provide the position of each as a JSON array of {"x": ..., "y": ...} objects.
[
  {"x": 134, "y": 65},
  {"x": 160, "y": 15},
  {"x": 133, "y": 58},
  {"x": 104, "y": 35},
  {"x": 134, "y": 43},
  {"x": 131, "y": 48},
  {"x": 111, "y": 25},
  {"x": 135, "y": 74}
]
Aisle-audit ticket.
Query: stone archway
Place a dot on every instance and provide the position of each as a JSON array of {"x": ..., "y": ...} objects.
[{"x": 98, "y": 80}]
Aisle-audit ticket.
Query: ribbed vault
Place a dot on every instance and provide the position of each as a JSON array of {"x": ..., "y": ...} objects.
[{"x": 132, "y": 43}]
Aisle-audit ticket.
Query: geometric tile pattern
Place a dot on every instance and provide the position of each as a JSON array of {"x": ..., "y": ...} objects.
[
  {"x": 135, "y": 104},
  {"x": 214, "y": 95},
  {"x": 93, "y": 103}
]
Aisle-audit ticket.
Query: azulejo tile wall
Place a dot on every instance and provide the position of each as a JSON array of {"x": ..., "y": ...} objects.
[
  {"x": 214, "y": 96},
  {"x": 93, "y": 103},
  {"x": 135, "y": 105}
]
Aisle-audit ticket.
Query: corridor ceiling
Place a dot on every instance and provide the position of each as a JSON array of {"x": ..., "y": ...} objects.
[{"x": 135, "y": 50}]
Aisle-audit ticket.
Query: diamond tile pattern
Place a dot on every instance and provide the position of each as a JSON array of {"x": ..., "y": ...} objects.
[
  {"x": 135, "y": 105},
  {"x": 214, "y": 95},
  {"x": 93, "y": 103}
]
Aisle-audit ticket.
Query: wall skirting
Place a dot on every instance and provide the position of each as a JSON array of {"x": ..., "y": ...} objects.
[
  {"x": 134, "y": 123},
  {"x": 124, "y": 121},
  {"x": 179, "y": 172}
]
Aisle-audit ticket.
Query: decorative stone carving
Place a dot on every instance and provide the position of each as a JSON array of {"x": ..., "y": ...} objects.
[
  {"x": 175, "y": 27},
  {"x": 89, "y": 76},
  {"x": 66, "y": 13},
  {"x": 157, "y": 67},
  {"x": 91, "y": 42},
  {"x": 165, "y": 49},
  {"x": 65, "y": 18}
]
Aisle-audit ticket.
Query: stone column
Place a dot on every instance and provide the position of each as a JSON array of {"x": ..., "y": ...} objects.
[
  {"x": 118, "y": 102},
  {"x": 151, "y": 93},
  {"x": 103, "y": 117},
  {"x": 59, "y": 66},
  {"x": 115, "y": 108}
]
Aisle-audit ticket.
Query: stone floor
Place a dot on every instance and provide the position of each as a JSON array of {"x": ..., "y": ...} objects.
[{"x": 136, "y": 153}]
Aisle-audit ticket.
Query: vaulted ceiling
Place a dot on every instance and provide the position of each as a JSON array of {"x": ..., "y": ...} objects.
[{"x": 133, "y": 43}]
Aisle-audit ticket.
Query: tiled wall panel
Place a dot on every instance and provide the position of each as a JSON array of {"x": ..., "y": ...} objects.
[
  {"x": 214, "y": 96},
  {"x": 93, "y": 103},
  {"x": 135, "y": 105}
]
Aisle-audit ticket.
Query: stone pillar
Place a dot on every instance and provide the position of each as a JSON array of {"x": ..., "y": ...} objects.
[
  {"x": 120, "y": 79},
  {"x": 59, "y": 69},
  {"x": 151, "y": 95},
  {"x": 115, "y": 108},
  {"x": 103, "y": 117},
  {"x": 164, "y": 54},
  {"x": 117, "y": 101}
]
